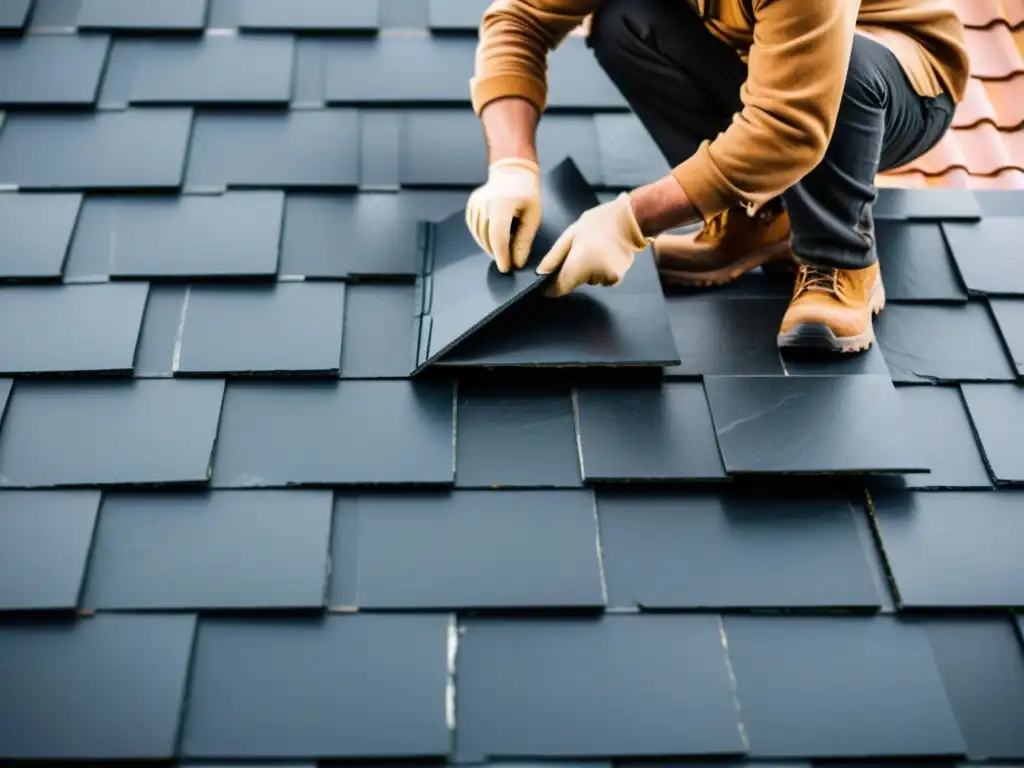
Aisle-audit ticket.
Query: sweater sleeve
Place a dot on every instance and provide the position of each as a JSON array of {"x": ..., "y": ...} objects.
[
  {"x": 797, "y": 70},
  {"x": 515, "y": 38}
]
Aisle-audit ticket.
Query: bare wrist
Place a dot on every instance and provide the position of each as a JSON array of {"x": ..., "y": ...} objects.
[
  {"x": 662, "y": 205},
  {"x": 510, "y": 128}
]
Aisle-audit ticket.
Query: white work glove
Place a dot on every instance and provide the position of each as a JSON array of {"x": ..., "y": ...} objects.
[
  {"x": 512, "y": 191},
  {"x": 597, "y": 249}
]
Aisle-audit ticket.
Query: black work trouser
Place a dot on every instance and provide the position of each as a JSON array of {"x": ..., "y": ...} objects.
[{"x": 683, "y": 83}]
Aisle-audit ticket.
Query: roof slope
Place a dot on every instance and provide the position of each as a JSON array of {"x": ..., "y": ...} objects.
[{"x": 234, "y": 530}]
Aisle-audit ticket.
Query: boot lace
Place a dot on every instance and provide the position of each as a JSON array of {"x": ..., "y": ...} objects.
[{"x": 821, "y": 279}]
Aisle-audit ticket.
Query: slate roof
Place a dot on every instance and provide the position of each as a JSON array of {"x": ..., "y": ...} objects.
[{"x": 235, "y": 529}]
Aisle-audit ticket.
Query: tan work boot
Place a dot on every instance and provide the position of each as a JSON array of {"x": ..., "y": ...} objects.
[
  {"x": 727, "y": 246},
  {"x": 832, "y": 309}
]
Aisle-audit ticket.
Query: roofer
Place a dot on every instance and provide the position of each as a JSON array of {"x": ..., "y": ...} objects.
[{"x": 775, "y": 116}]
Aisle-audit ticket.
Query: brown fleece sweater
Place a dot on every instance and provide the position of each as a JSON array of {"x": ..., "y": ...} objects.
[{"x": 797, "y": 62}]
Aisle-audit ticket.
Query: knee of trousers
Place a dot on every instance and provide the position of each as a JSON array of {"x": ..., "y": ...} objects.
[{"x": 615, "y": 33}]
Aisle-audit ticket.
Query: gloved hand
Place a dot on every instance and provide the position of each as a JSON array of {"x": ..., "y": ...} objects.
[
  {"x": 512, "y": 190},
  {"x": 596, "y": 249}
]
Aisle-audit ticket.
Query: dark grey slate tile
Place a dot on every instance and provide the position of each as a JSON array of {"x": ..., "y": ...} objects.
[
  {"x": 561, "y": 136},
  {"x": 284, "y": 327},
  {"x": 629, "y": 156},
  {"x": 659, "y": 432},
  {"x": 14, "y": 14},
  {"x": 51, "y": 69},
  {"x": 379, "y": 155},
  {"x": 246, "y": 68},
  {"x": 926, "y": 205},
  {"x": 119, "y": 75},
  {"x": 995, "y": 411},
  {"x": 309, "y": 15},
  {"x": 661, "y": 681},
  {"x": 577, "y": 81},
  {"x": 403, "y": 13},
  {"x": 154, "y": 354},
  {"x": 105, "y": 687},
  {"x": 394, "y": 69},
  {"x": 1000, "y": 202},
  {"x": 915, "y": 262},
  {"x": 70, "y": 328},
  {"x": 55, "y": 13},
  {"x": 482, "y": 549},
  {"x": 124, "y": 15},
  {"x": 45, "y": 539},
  {"x": 309, "y": 83},
  {"x": 378, "y": 336},
  {"x": 5, "y": 391},
  {"x": 516, "y": 437},
  {"x": 88, "y": 258},
  {"x": 1009, "y": 315},
  {"x": 456, "y": 15},
  {"x": 923, "y": 344},
  {"x": 351, "y": 432},
  {"x": 839, "y": 686},
  {"x": 35, "y": 232},
  {"x": 809, "y": 362},
  {"x": 811, "y": 424},
  {"x": 220, "y": 550},
  {"x": 139, "y": 148},
  {"x": 679, "y": 550},
  {"x": 224, "y": 14},
  {"x": 953, "y": 550},
  {"x": 312, "y": 148},
  {"x": 987, "y": 254},
  {"x": 111, "y": 433},
  {"x": 298, "y": 688}
]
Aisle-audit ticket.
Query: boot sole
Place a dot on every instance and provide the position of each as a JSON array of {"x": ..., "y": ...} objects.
[
  {"x": 820, "y": 336},
  {"x": 775, "y": 252}
]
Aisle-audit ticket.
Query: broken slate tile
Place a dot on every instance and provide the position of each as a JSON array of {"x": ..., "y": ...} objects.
[
  {"x": 297, "y": 688},
  {"x": 63, "y": 70},
  {"x": 915, "y": 262},
  {"x": 659, "y": 432},
  {"x": 629, "y": 156},
  {"x": 953, "y": 550},
  {"x": 35, "y": 232},
  {"x": 535, "y": 426},
  {"x": 456, "y": 15},
  {"x": 995, "y": 409},
  {"x": 926, "y": 205},
  {"x": 929, "y": 344},
  {"x": 109, "y": 433},
  {"x": 577, "y": 81},
  {"x": 795, "y": 425},
  {"x": 661, "y": 681},
  {"x": 680, "y": 551},
  {"x": 483, "y": 549},
  {"x": 102, "y": 688},
  {"x": 220, "y": 550},
  {"x": 45, "y": 539},
  {"x": 1009, "y": 315},
  {"x": 14, "y": 15},
  {"x": 70, "y": 328},
  {"x": 987, "y": 254},
  {"x": 309, "y": 15},
  {"x": 137, "y": 148},
  {"x": 378, "y": 334},
  {"x": 133, "y": 15},
  {"x": 839, "y": 686},
  {"x": 349, "y": 432},
  {"x": 154, "y": 355}
]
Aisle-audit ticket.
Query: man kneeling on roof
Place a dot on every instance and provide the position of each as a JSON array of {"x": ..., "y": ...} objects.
[{"x": 775, "y": 116}]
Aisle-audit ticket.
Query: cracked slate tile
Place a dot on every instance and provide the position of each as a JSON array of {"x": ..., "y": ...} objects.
[
  {"x": 298, "y": 688},
  {"x": 219, "y": 550},
  {"x": 456, "y": 15},
  {"x": 576, "y": 81},
  {"x": 1009, "y": 315},
  {"x": 987, "y": 254},
  {"x": 70, "y": 328},
  {"x": 14, "y": 15},
  {"x": 64, "y": 70},
  {"x": 161, "y": 324},
  {"x": 811, "y": 424},
  {"x": 839, "y": 687},
  {"x": 45, "y": 540},
  {"x": 483, "y": 549},
  {"x": 915, "y": 262},
  {"x": 926, "y": 205},
  {"x": 103, "y": 688},
  {"x": 951, "y": 343},
  {"x": 35, "y": 234},
  {"x": 109, "y": 433},
  {"x": 681, "y": 550},
  {"x": 629, "y": 156},
  {"x": 136, "y": 149},
  {"x": 283, "y": 327},
  {"x": 955, "y": 549},
  {"x": 996, "y": 410},
  {"x": 132, "y": 15},
  {"x": 309, "y": 15},
  {"x": 348, "y": 432},
  {"x": 375, "y": 312},
  {"x": 661, "y": 681}
]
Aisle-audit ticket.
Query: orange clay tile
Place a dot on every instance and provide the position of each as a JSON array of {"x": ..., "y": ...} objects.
[
  {"x": 994, "y": 53},
  {"x": 979, "y": 13}
]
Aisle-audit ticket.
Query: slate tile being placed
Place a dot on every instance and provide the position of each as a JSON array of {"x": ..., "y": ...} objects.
[
  {"x": 311, "y": 148},
  {"x": 110, "y": 433},
  {"x": 213, "y": 69},
  {"x": 45, "y": 540},
  {"x": 482, "y": 549},
  {"x": 63, "y": 70},
  {"x": 456, "y": 15},
  {"x": 133, "y": 15},
  {"x": 1009, "y": 315},
  {"x": 811, "y": 424},
  {"x": 103, "y": 688},
  {"x": 378, "y": 336},
  {"x": 659, "y": 432},
  {"x": 929, "y": 344},
  {"x": 70, "y": 328},
  {"x": 309, "y": 15},
  {"x": 350, "y": 432},
  {"x": 996, "y": 410},
  {"x": 137, "y": 149},
  {"x": 284, "y": 327},
  {"x": 953, "y": 550},
  {"x": 220, "y": 550},
  {"x": 158, "y": 339},
  {"x": 35, "y": 232},
  {"x": 629, "y": 156},
  {"x": 298, "y": 688},
  {"x": 678, "y": 550},
  {"x": 926, "y": 205},
  {"x": 658, "y": 686},
  {"x": 577, "y": 81},
  {"x": 839, "y": 686},
  {"x": 915, "y": 262},
  {"x": 14, "y": 14},
  {"x": 987, "y": 254}
]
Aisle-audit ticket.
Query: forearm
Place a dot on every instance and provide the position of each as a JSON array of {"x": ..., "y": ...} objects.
[
  {"x": 662, "y": 205},
  {"x": 510, "y": 129}
]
